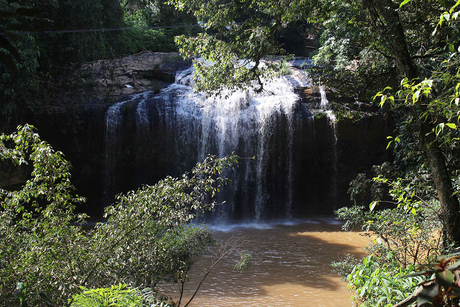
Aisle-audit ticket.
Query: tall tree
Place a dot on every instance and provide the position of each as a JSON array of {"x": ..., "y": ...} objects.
[{"x": 385, "y": 17}]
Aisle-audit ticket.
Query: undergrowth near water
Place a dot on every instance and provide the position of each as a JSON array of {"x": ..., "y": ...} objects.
[{"x": 380, "y": 285}]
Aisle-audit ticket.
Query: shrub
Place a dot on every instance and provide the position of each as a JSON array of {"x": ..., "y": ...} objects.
[
  {"x": 115, "y": 296},
  {"x": 148, "y": 235},
  {"x": 381, "y": 285}
]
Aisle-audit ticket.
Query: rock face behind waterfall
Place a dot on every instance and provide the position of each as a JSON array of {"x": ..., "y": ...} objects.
[
  {"x": 303, "y": 164},
  {"x": 145, "y": 71}
]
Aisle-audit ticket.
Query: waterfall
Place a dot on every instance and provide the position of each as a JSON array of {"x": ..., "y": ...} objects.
[
  {"x": 113, "y": 121},
  {"x": 142, "y": 119},
  {"x": 243, "y": 122},
  {"x": 113, "y": 130},
  {"x": 176, "y": 128}
]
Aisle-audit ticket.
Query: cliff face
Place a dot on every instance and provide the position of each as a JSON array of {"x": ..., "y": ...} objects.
[
  {"x": 133, "y": 74},
  {"x": 94, "y": 86}
]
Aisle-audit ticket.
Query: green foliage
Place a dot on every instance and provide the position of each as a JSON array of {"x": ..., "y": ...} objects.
[
  {"x": 17, "y": 87},
  {"x": 381, "y": 285},
  {"x": 148, "y": 235},
  {"x": 238, "y": 36},
  {"x": 43, "y": 45},
  {"x": 140, "y": 15},
  {"x": 16, "y": 17},
  {"x": 411, "y": 238},
  {"x": 344, "y": 60},
  {"x": 345, "y": 266},
  {"x": 21, "y": 297},
  {"x": 117, "y": 296},
  {"x": 19, "y": 59},
  {"x": 139, "y": 38},
  {"x": 84, "y": 40},
  {"x": 409, "y": 228},
  {"x": 361, "y": 187},
  {"x": 224, "y": 66},
  {"x": 441, "y": 107},
  {"x": 427, "y": 119},
  {"x": 152, "y": 299},
  {"x": 158, "y": 12},
  {"x": 245, "y": 261},
  {"x": 37, "y": 222}
]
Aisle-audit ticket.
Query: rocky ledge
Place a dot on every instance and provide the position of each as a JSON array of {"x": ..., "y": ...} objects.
[
  {"x": 94, "y": 86},
  {"x": 133, "y": 74}
]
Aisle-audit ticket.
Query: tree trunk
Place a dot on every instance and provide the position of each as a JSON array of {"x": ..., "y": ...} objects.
[
  {"x": 386, "y": 22},
  {"x": 385, "y": 16},
  {"x": 449, "y": 202}
]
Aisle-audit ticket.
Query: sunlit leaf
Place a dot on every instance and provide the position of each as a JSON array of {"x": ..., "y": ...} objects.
[
  {"x": 404, "y": 2},
  {"x": 372, "y": 205}
]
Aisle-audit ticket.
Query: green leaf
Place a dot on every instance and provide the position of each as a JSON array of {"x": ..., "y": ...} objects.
[
  {"x": 404, "y": 2},
  {"x": 451, "y": 126}
]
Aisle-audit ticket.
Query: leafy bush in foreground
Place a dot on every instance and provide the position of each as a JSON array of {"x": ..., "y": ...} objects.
[
  {"x": 119, "y": 296},
  {"x": 148, "y": 236}
]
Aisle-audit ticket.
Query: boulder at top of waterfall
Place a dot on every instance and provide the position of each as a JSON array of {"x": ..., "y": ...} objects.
[{"x": 136, "y": 73}]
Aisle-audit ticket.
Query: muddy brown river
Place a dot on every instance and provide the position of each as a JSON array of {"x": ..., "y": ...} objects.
[{"x": 290, "y": 266}]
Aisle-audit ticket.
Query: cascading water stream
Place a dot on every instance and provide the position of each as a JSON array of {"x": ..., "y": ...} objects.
[
  {"x": 142, "y": 119},
  {"x": 113, "y": 127},
  {"x": 333, "y": 122},
  {"x": 113, "y": 121},
  {"x": 243, "y": 123},
  {"x": 177, "y": 128}
]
